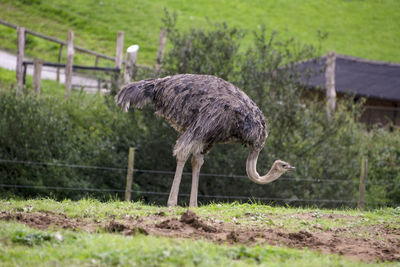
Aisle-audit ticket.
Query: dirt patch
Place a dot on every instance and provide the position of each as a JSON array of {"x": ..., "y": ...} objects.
[
  {"x": 383, "y": 245},
  {"x": 171, "y": 224},
  {"x": 45, "y": 220},
  {"x": 190, "y": 218},
  {"x": 116, "y": 227},
  {"x": 300, "y": 236},
  {"x": 124, "y": 228}
]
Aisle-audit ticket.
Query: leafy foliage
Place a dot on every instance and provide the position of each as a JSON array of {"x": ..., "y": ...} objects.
[
  {"x": 31, "y": 239},
  {"x": 81, "y": 131},
  {"x": 382, "y": 149},
  {"x": 212, "y": 51}
]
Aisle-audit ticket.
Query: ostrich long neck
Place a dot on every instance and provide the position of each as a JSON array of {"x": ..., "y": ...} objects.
[{"x": 251, "y": 169}]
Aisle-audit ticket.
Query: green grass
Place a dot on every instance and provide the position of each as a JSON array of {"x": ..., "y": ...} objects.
[
  {"x": 49, "y": 88},
  {"x": 8, "y": 79},
  {"x": 368, "y": 28},
  {"x": 244, "y": 214},
  {"x": 21, "y": 245}
]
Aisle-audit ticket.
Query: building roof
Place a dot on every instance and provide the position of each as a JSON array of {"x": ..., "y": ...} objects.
[{"x": 364, "y": 78}]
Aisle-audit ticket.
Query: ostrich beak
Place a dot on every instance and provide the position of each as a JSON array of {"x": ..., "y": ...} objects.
[{"x": 291, "y": 168}]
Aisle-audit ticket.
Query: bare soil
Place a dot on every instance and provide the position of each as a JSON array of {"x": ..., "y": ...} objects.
[{"x": 383, "y": 245}]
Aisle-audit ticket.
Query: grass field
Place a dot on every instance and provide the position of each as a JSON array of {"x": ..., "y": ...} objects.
[
  {"x": 368, "y": 28},
  {"x": 90, "y": 233},
  {"x": 49, "y": 88}
]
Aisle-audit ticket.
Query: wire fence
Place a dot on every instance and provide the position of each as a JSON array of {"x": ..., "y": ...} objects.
[
  {"x": 84, "y": 77},
  {"x": 150, "y": 193},
  {"x": 124, "y": 169}
]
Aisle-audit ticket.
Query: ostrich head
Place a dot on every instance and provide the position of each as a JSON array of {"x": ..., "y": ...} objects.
[
  {"x": 278, "y": 168},
  {"x": 281, "y": 167}
]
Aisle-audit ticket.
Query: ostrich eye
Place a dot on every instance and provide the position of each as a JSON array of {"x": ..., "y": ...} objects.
[{"x": 284, "y": 165}]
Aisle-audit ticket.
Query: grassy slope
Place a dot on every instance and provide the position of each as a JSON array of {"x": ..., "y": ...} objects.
[
  {"x": 369, "y": 29},
  {"x": 78, "y": 248}
]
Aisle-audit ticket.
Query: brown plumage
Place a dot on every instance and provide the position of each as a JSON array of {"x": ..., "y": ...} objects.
[{"x": 205, "y": 110}]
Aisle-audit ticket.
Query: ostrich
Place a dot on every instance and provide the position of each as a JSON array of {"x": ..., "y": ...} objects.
[{"x": 205, "y": 110}]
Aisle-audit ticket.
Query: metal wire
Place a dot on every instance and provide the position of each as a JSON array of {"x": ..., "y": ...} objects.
[
  {"x": 184, "y": 173},
  {"x": 61, "y": 165}
]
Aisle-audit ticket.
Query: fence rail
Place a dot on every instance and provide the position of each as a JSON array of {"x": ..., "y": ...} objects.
[
  {"x": 61, "y": 42},
  {"x": 74, "y": 67}
]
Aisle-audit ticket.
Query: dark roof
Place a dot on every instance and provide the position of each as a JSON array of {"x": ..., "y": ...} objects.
[{"x": 365, "y": 78}]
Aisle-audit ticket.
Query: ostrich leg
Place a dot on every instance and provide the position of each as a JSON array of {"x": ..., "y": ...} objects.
[
  {"x": 173, "y": 194},
  {"x": 197, "y": 162}
]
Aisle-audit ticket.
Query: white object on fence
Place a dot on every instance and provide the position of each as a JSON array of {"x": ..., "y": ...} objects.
[{"x": 130, "y": 61}]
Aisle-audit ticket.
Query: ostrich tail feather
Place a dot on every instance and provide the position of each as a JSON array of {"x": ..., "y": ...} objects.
[{"x": 136, "y": 94}]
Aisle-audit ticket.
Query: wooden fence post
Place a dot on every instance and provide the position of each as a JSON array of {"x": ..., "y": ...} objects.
[
  {"x": 37, "y": 75},
  {"x": 24, "y": 70},
  {"x": 129, "y": 175},
  {"x": 161, "y": 48},
  {"x": 330, "y": 83},
  {"x": 70, "y": 62},
  {"x": 118, "y": 57},
  {"x": 130, "y": 61},
  {"x": 363, "y": 178},
  {"x": 20, "y": 59},
  {"x": 59, "y": 61},
  {"x": 96, "y": 63}
]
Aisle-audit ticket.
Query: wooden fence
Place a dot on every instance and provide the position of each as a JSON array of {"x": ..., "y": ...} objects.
[{"x": 69, "y": 67}]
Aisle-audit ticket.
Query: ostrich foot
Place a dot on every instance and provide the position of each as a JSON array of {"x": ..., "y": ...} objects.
[
  {"x": 172, "y": 203},
  {"x": 193, "y": 204}
]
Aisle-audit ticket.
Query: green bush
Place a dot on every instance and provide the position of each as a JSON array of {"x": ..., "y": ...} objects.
[
  {"x": 212, "y": 51},
  {"x": 80, "y": 131},
  {"x": 382, "y": 149}
]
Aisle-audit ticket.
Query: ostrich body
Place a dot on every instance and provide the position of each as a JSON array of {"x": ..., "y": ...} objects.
[{"x": 205, "y": 110}]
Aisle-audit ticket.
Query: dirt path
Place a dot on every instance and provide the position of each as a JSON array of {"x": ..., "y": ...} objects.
[{"x": 386, "y": 247}]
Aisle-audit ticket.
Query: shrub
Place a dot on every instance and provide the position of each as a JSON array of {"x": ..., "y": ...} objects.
[
  {"x": 212, "y": 51},
  {"x": 81, "y": 131}
]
